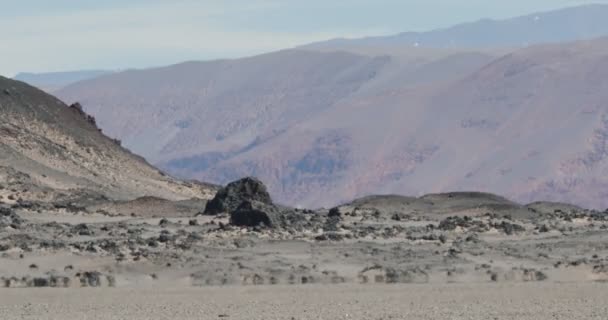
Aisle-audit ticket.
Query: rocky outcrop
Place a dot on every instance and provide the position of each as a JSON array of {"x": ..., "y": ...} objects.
[
  {"x": 230, "y": 198},
  {"x": 255, "y": 213},
  {"x": 50, "y": 151},
  {"x": 77, "y": 107},
  {"x": 250, "y": 205}
]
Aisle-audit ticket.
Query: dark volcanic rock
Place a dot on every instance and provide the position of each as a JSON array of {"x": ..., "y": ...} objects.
[
  {"x": 41, "y": 282},
  {"x": 82, "y": 230},
  {"x": 451, "y": 223},
  {"x": 8, "y": 218},
  {"x": 330, "y": 236},
  {"x": 334, "y": 212},
  {"x": 509, "y": 228},
  {"x": 229, "y": 198},
  {"x": 90, "y": 279},
  {"x": 77, "y": 107},
  {"x": 254, "y": 213}
]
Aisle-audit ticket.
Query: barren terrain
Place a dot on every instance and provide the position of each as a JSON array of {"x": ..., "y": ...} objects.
[
  {"x": 435, "y": 239},
  {"x": 89, "y": 230},
  {"x": 529, "y": 301}
]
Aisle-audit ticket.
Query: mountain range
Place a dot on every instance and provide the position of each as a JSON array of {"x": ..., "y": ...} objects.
[
  {"x": 322, "y": 124},
  {"x": 568, "y": 24}
]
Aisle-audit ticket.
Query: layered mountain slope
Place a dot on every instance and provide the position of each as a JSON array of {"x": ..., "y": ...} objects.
[
  {"x": 220, "y": 106},
  {"x": 321, "y": 128},
  {"x": 199, "y": 113},
  {"x": 543, "y": 114},
  {"x": 531, "y": 125},
  {"x": 50, "y": 151},
  {"x": 569, "y": 24}
]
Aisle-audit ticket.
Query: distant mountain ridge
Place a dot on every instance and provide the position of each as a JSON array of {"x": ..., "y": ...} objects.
[
  {"x": 52, "y": 81},
  {"x": 568, "y": 24}
]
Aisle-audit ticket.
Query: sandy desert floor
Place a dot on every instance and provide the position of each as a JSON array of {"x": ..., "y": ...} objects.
[{"x": 447, "y": 301}]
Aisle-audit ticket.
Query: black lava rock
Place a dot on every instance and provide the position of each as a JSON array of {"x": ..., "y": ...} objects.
[
  {"x": 509, "y": 228},
  {"x": 254, "y": 213},
  {"x": 82, "y": 230},
  {"x": 451, "y": 223},
  {"x": 544, "y": 228},
  {"x": 334, "y": 212},
  {"x": 230, "y": 198},
  {"x": 9, "y": 218},
  {"x": 90, "y": 279}
]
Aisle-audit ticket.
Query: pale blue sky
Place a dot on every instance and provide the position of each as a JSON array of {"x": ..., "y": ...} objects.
[{"x": 57, "y": 35}]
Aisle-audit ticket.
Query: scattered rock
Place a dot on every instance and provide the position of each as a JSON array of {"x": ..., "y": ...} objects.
[
  {"x": 163, "y": 238},
  {"x": 90, "y": 279},
  {"x": 330, "y": 236},
  {"x": 77, "y": 107},
  {"x": 8, "y": 218},
  {"x": 509, "y": 228},
  {"x": 82, "y": 230},
  {"x": 544, "y": 229},
  {"x": 41, "y": 282},
  {"x": 468, "y": 223}
]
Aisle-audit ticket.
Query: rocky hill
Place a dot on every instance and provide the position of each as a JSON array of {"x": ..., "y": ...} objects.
[{"x": 50, "y": 151}]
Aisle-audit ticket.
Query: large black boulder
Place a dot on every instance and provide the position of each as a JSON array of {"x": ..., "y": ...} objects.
[
  {"x": 255, "y": 213},
  {"x": 229, "y": 198},
  {"x": 259, "y": 214}
]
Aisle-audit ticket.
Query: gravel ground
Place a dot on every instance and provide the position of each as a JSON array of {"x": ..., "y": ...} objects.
[{"x": 459, "y": 301}]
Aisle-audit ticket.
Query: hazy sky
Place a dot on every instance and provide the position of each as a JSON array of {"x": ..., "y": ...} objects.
[{"x": 57, "y": 35}]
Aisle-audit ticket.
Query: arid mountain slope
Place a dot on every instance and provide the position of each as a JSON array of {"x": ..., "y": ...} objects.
[
  {"x": 220, "y": 106},
  {"x": 49, "y": 150},
  {"x": 199, "y": 113},
  {"x": 529, "y": 125},
  {"x": 568, "y": 24},
  {"x": 542, "y": 117}
]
